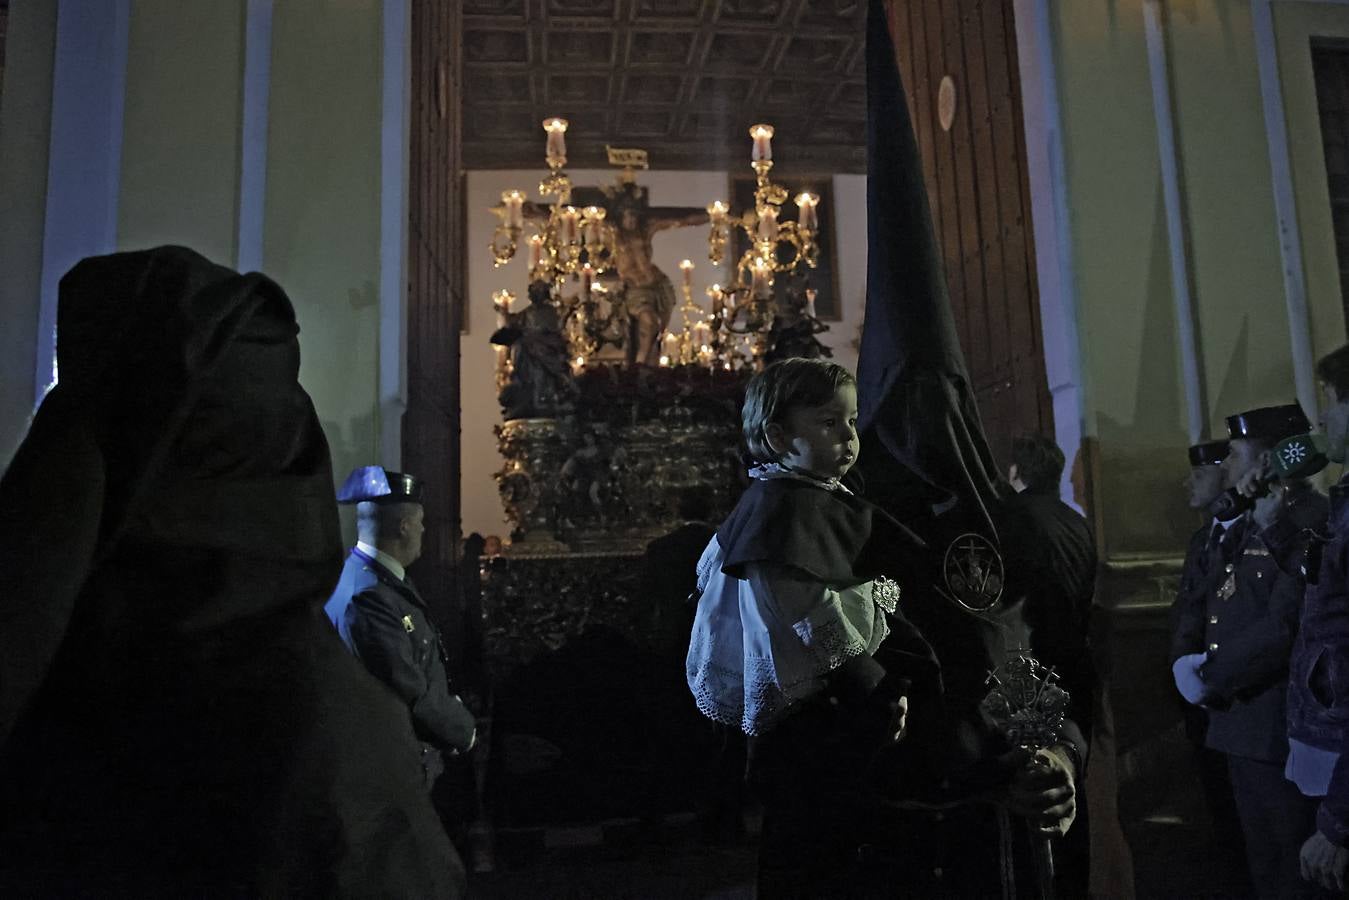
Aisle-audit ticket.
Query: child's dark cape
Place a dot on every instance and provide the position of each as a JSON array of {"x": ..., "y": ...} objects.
[{"x": 834, "y": 537}]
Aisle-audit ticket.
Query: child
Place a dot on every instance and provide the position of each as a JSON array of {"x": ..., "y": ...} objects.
[{"x": 792, "y": 614}]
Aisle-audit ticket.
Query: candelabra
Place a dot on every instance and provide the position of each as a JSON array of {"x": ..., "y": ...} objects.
[
  {"x": 569, "y": 244},
  {"x": 747, "y": 306}
]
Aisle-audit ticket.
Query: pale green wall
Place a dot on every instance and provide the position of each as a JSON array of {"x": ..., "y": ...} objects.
[
  {"x": 180, "y": 177},
  {"x": 1118, "y": 241},
  {"x": 25, "y": 116},
  {"x": 1294, "y": 26},
  {"x": 180, "y": 145},
  {"x": 1129, "y": 335},
  {"x": 322, "y": 212},
  {"x": 1234, "y": 244}
]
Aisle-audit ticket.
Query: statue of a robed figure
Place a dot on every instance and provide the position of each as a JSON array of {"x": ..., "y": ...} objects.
[{"x": 539, "y": 384}]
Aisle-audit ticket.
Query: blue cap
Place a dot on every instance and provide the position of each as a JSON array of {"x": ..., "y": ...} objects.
[{"x": 376, "y": 484}]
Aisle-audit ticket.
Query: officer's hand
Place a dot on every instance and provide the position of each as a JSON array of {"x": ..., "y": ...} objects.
[
  {"x": 1249, "y": 484},
  {"x": 1324, "y": 863},
  {"x": 1185, "y": 672},
  {"x": 1042, "y": 791}
]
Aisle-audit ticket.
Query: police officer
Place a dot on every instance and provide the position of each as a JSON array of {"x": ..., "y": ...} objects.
[
  {"x": 1189, "y": 616},
  {"x": 1234, "y": 660},
  {"x": 1204, "y": 484},
  {"x": 383, "y": 620}
]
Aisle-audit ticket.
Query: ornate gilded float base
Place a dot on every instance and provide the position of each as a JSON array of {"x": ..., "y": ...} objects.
[{"x": 643, "y": 451}]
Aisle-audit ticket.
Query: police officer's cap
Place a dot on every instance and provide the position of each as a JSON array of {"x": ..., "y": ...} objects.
[
  {"x": 377, "y": 484},
  {"x": 1269, "y": 423},
  {"x": 1209, "y": 453}
]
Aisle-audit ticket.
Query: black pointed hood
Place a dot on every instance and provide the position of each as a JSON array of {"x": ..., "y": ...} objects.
[{"x": 922, "y": 438}]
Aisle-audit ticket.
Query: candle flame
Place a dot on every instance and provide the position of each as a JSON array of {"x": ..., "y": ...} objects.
[{"x": 553, "y": 123}]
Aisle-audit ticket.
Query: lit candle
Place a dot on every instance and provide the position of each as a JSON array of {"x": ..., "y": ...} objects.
[
  {"x": 716, "y": 211},
  {"x": 665, "y": 360},
  {"x": 535, "y": 251},
  {"x": 718, "y": 300},
  {"x": 556, "y": 149},
  {"x": 806, "y": 202},
  {"x": 763, "y": 143},
  {"x": 587, "y": 279},
  {"x": 570, "y": 215},
  {"x": 768, "y": 224},
  {"x": 686, "y": 266},
  {"x": 810, "y": 302},
  {"x": 514, "y": 202},
  {"x": 759, "y": 274},
  {"x": 593, "y": 215},
  {"x": 501, "y": 302}
]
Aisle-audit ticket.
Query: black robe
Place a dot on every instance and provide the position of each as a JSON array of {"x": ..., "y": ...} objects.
[{"x": 178, "y": 717}]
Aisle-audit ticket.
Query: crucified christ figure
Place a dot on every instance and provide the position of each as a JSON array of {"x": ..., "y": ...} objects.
[{"x": 647, "y": 291}]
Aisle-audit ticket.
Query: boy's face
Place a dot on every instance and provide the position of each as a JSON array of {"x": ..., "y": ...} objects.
[
  {"x": 1335, "y": 423},
  {"x": 820, "y": 440}
]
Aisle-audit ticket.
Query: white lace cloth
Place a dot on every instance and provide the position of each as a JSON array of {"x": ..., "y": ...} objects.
[{"x": 765, "y": 642}]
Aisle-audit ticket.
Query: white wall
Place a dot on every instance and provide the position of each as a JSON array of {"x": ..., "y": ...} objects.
[{"x": 481, "y": 505}]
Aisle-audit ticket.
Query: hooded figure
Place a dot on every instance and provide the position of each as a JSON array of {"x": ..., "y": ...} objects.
[
  {"x": 967, "y": 821},
  {"x": 177, "y": 716}
]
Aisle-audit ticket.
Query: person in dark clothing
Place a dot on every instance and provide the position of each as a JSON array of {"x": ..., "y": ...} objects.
[
  {"x": 177, "y": 717},
  {"x": 1233, "y": 641},
  {"x": 1050, "y": 555},
  {"x": 382, "y": 618},
  {"x": 1051, "y": 559},
  {"x": 1203, "y": 486},
  {"x": 669, "y": 570},
  {"x": 669, "y": 585},
  {"x": 1318, "y": 684}
]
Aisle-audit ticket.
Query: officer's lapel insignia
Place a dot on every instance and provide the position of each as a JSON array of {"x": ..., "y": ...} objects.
[
  {"x": 1229, "y": 587},
  {"x": 407, "y": 624}
]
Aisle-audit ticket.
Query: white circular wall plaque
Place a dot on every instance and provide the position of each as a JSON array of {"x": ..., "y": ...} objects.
[{"x": 946, "y": 102}]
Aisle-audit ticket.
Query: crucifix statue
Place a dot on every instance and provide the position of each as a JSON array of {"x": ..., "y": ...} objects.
[{"x": 647, "y": 292}]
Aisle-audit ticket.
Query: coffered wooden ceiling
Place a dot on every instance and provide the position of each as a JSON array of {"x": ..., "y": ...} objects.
[{"x": 683, "y": 79}]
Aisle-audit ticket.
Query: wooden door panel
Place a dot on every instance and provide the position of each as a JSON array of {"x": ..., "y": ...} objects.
[{"x": 975, "y": 172}]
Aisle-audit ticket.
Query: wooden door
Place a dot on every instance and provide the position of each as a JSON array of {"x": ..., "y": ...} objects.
[
  {"x": 959, "y": 64},
  {"x": 435, "y": 300}
]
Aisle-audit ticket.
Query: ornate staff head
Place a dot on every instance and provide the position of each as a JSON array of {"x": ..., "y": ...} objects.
[{"x": 1025, "y": 702}]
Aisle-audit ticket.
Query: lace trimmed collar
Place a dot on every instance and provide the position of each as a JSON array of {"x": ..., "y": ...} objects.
[{"x": 773, "y": 470}]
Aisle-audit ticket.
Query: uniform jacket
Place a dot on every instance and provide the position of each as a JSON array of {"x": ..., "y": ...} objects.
[
  {"x": 1252, "y": 603},
  {"x": 1187, "y": 610},
  {"x": 383, "y": 620},
  {"x": 1318, "y": 688}
]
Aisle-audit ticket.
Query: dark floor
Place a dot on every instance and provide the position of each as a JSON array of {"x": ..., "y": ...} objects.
[
  {"x": 1171, "y": 840},
  {"x": 626, "y": 832}
]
